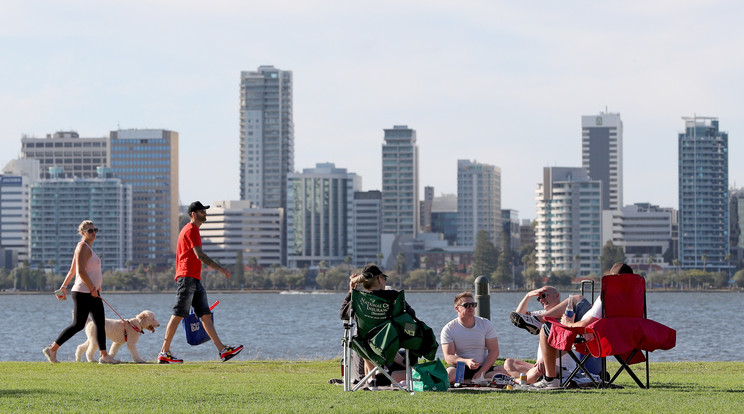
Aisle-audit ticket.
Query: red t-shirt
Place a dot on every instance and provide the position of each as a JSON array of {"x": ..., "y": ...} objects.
[{"x": 187, "y": 264}]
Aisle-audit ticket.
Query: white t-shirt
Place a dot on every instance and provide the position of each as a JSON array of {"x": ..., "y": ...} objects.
[
  {"x": 595, "y": 311},
  {"x": 470, "y": 343}
]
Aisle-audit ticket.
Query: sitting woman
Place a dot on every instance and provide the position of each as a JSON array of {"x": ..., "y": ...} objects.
[{"x": 374, "y": 281}]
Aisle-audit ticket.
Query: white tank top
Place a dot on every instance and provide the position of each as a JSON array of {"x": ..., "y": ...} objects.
[{"x": 93, "y": 269}]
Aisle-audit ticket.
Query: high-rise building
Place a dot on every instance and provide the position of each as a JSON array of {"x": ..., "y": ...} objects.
[
  {"x": 65, "y": 150},
  {"x": 266, "y": 136},
  {"x": 510, "y": 227},
  {"x": 643, "y": 230},
  {"x": 736, "y": 223},
  {"x": 365, "y": 226},
  {"x": 319, "y": 203},
  {"x": 425, "y": 209},
  {"x": 147, "y": 159},
  {"x": 569, "y": 221},
  {"x": 444, "y": 217},
  {"x": 234, "y": 225},
  {"x": 58, "y": 205},
  {"x": 478, "y": 202},
  {"x": 703, "y": 195},
  {"x": 602, "y": 155},
  {"x": 400, "y": 201},
  {"x": 15, "y": 195}
]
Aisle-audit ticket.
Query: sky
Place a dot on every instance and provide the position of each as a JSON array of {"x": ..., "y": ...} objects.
[{"x": 499, "y": 82}]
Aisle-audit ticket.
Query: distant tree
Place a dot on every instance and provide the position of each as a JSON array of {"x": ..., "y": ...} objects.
[
  {"x": 485, "y": 255},
  {"x": 335, "y": 278},
  {"x": 739, "y": 278},
  {"x": 611, "y": 254},
  {"x": 503, "y": 275},
  {"x": 238, "y": 273}
]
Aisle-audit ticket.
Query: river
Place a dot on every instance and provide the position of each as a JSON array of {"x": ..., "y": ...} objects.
[{"x": 305, "y": 326}]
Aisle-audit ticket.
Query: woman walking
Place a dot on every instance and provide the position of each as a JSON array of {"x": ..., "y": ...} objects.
[{"x": 86, "y": 294}]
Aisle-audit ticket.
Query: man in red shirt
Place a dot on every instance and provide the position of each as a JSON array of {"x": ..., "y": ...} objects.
[{"x": 191, "y": 293}]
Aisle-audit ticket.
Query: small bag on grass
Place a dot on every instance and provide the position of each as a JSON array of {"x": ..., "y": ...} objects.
[{"x": 430, "y": 376}]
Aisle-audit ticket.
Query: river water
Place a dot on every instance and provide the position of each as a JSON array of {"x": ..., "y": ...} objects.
[{"x": 305, "y": 326}]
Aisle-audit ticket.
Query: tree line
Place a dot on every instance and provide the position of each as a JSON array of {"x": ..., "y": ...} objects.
[{"x": 510, "y": 270}]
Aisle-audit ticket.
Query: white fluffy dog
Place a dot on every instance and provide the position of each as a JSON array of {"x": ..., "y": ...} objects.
[{"x": 119, "y": 333}]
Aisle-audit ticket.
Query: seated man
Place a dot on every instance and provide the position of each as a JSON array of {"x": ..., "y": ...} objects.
[
  {"x": 550, "y": 380},
  {"x": 550, "y": 299},
  {"x": 472, "y": 340}
]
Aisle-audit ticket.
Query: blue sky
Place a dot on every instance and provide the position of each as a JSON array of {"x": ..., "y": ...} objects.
[{"x": 500, "y": 82}]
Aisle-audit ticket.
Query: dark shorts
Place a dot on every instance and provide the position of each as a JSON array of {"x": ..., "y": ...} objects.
[
  {"x": 190, "y": 294},
  {"x": 579, "y": 310},
  {"x": 470, "y": 372}
]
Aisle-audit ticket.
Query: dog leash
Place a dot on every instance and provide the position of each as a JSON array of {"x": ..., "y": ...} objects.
[{"x": 136, "y": 329}]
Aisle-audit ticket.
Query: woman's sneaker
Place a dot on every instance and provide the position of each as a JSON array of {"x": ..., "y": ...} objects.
[
  {"x": 50, "y": 354},
  {"x": 230, "y": 351},
  {"x": 528, "y": 322},
  {"x": 168, "y": 358}
]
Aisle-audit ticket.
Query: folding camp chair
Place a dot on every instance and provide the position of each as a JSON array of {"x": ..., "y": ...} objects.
[
  {"x": 371, "y": 314},
  {"x": 582, "y": 360},
  {"x": 623, "y": 332},
  {"x": 382, "y": 328}
]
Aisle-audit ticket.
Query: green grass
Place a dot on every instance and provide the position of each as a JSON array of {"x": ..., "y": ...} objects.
[{"x": 282, "y": 387}]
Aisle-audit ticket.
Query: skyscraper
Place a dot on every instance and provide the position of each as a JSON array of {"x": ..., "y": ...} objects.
[
  {"x": 234, "y": 226},
  {"x": 568, "y": 232},
  {"x": 58, "y": 205},
  {"x": 478, "y": 202},
  {"x": 318, "y": 215},
  {"x": 602, "y": 155},
  {"x": 15, "y": 196},
  {"x": 65, "y": 150},
  {"x": 266, "y": 136},
  {"x": 703, "y": 195},
  {"x": 147, "y": 159},
  {"x": 400, "y": 201},
  {"x": 364, "y": 229}
]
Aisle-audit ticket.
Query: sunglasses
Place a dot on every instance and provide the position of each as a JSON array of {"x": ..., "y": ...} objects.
[
  {"x": 468, "y": 305},
  {"x": 93, "y": 230},
  {"x": 543, "y": 295}
]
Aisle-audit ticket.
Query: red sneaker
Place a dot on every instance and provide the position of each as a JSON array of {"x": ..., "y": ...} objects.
[
  {"x": 167, "y": 358},
  {"x": 230, "y": 352}
]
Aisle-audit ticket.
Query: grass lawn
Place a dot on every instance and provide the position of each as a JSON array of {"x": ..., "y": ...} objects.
[{"x": 283, "y": 387}]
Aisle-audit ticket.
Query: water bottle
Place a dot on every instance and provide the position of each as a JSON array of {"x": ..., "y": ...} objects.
[{"x": 570, "y": 310}]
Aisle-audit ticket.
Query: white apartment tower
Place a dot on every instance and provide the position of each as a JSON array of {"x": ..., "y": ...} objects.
[
  {"x": 234, "y": 225},
  {"x": 266, "y": 136},
  {"x": 400, "y": 201},
  {"x": 478, "y": 202},
  {"x": 602, "y": 155},
  {"x": 15, "y": 194},
  {"x": 569, "y": 221}
]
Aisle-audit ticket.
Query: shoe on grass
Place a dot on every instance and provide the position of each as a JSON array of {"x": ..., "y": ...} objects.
[
  {"x": 544, "y": 384},
  {"x": 108, "y": 360},
  {"x": 50, "y": 354},
  {"x": 168, "y": 358},
  {"x": 527, "y": 322},
  {"x": 230, "y": 351}
]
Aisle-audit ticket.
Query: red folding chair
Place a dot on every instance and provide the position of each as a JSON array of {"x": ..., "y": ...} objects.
[{"x": 623, "y": 332}]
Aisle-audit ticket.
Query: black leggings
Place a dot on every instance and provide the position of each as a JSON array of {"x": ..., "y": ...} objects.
[{"x": 86, "y": 304}]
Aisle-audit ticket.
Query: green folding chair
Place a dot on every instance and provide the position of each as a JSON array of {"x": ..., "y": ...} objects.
[{"x": 382, "y": 328}]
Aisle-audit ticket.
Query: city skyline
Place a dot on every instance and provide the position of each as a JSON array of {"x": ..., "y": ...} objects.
[{"x": 504, "y": 84}]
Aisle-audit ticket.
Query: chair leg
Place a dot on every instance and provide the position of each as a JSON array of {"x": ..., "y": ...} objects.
[{"x": 409, "y": 376}]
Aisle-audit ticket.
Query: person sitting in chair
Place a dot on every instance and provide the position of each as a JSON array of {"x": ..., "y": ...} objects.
[
  {"x": 550, "y": 299},
  {"x": 373, "y": 280},
  {"x": 550, "y": 380},
  {"x": 472, "y": 340}
]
